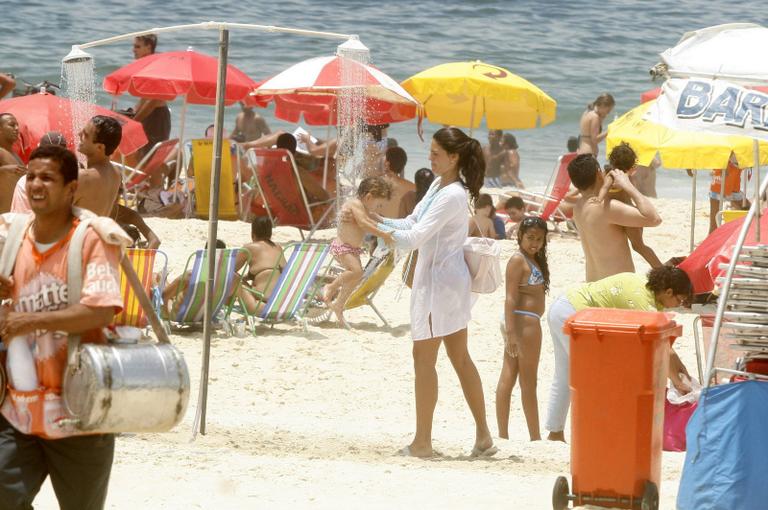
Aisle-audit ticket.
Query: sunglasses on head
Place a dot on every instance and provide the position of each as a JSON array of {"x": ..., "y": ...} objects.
[{"x": 531, "y": 221}]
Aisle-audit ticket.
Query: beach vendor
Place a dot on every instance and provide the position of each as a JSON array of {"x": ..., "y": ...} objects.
[
  {"x": 440, "y": 297},
  {"x": 664, "y": 287},
  {"x": 34, "y": 442},
  {"x": 731, "y": 192}
]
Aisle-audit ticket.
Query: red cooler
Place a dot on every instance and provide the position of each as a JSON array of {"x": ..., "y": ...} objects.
[{"x": 619, "y": 361}]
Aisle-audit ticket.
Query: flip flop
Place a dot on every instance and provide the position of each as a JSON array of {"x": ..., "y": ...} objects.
[
  {"x": 488, "y": 452},
  {"x": 405, "y": 451}
]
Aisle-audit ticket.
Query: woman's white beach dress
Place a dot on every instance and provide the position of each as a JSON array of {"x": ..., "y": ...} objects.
[{"x": 441, "y": 283}]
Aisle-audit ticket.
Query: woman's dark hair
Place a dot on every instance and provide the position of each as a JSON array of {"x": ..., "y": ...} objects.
[
  {"x": 533, "y": 223},
  {"x": 471, "y": 162},
  {"x": 485, "y": 200},
  {"x": 666, "y": 277},
  {"x": 509, "y": 141},
  {"x": 261, "y": 229},
  {"x": 286, "y": 141},
  {"x": 423, "y": 179},
  {"x": 604, "y": 99}
]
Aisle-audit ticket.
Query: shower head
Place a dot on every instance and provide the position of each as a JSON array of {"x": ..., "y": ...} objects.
[
  {"x": 76, "y": 56},
  {"x": 353, "y": 48}
]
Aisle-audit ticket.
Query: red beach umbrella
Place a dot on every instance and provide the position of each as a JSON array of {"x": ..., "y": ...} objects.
[
  {"x": 165, "y": 76},
  {"x": 40, "y": 113},
  {"x": 703, "y": 264},
  {"x": 311, "y": 88}
]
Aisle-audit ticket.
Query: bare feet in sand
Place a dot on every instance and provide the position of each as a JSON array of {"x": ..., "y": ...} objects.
[
  {"x": 556, "y": 436},
  {"x": 339, "y": 312},
  {"x": 416, "y": 451}
]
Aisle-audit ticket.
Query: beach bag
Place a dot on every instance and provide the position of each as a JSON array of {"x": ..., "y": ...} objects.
[
  {"x": 122, "y": 386},
  {"x": 678, "y": 410},
  {"x": 482, "y": 257}
]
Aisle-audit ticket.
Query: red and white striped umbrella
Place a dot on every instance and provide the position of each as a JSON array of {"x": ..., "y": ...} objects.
[{"x": 309, "y": 87}]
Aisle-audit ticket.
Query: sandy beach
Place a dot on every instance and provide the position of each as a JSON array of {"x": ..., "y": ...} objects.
[{"x": 314, "y": 420}]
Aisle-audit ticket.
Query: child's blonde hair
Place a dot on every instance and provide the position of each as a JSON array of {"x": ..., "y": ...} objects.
[{"x": 378, "y": 187}]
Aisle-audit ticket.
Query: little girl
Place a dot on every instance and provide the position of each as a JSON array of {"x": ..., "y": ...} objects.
[
  {"x": 372, "y": 194},
  {"x": 527, "y": 281}
]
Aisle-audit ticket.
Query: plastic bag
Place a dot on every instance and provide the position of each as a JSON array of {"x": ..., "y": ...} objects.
[{"x": 677, "y": 411}]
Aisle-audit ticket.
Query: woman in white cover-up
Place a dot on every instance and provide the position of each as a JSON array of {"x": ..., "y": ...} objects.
[{"x": 440, "y": 297}]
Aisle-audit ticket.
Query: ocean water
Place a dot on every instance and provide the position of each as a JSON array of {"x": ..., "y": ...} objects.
[{"x": 572, "y": 50}]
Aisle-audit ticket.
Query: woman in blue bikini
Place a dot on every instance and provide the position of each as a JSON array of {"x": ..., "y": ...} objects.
[{"x": 527, "y": 278}]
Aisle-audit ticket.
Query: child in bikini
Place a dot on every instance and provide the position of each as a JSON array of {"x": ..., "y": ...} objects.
[
  {"x": 372, "y": 194},
  {"x": 527, "y": 278}
]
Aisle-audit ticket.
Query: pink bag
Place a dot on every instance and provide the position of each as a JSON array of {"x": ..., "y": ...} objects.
[{"x": 676, "y": 418}]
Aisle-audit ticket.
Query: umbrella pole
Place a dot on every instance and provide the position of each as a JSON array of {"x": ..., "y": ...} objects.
[
  {"x": 221, "y": 83},
  {"x": 327, "y": 150},
  {"x": 693, "y": 209},
  {"x": 472, "y": 116},
  {"x": 180, "y": 149},
  {"x": 756, "y": 148}
]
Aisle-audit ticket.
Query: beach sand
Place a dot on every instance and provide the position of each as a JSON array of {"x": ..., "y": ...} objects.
[{"x": 314, "y": 420}]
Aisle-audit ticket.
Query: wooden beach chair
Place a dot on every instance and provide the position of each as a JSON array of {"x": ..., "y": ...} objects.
[
  {"x": 202, "y": 157},
  {"x": 144, "y": 263},
  {"x": 284, "y": 196},
  {"x": 295, "y": 294},
  {"x": 188, "y": 309},
  {"x": 375, "y": 273}
]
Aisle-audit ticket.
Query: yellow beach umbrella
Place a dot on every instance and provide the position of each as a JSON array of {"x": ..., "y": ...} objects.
[
  {"x": 679, "y": 149},
  {"x": 462, "y": 93}
]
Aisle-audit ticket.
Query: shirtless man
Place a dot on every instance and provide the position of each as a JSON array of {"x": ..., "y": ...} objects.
[
  {"x": 154, "y": 115},
  {"x": 99, "y": 183},
  {"x": 601, "y": 222},
  {"x": 591, "y": 124},
  {"x": 402, "y": 202},
  {"x": 11, "y": 166},
  {"x": 7, "y": 84},
  {"x": 249, "y": 125}
]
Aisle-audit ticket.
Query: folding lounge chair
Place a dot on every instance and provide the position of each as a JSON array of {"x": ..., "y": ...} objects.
[
  {"x": 283, "y": 193},
  {"x": 202, "y": 157},
  {"x": 135, "y": 180},
  {"x": 375, "y": 274},
  {"x": 294, "y": 295},
  {"x": 188, "y": 305},
  {"x": 143, "y": 262}
]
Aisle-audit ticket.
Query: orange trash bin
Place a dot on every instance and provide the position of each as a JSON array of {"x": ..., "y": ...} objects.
[{"x": 619, "y": 361}]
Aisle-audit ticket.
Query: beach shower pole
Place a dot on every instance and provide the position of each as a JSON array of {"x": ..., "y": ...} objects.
[
  {"x": 693, "y": 208},
  {"x": 213, "y": 224}
]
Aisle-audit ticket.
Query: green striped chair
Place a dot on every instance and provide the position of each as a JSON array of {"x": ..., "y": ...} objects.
[
  {"x": 188, "y": 306},
  {"x": 294, "y": 294}
]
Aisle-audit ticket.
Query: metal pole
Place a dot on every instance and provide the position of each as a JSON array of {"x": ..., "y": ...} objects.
[
  {"x": 180, "y": 150},
  {"x": 327, "y": 151},
  {"x": 472, "y": 116},
  {"x": 693, "y": 209},
  {"x": 756, "y": 148},
  {"x": 726, "y": 288},
  {"x": 221, "y": 84}
]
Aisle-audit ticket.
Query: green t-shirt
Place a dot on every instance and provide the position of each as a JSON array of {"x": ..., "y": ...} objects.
[{"x": 624, "y": 290}]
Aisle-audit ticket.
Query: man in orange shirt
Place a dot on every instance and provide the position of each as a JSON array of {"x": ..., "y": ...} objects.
[
  {"x": 34, "y": 441},
  {"x": 731, "y": 192}
]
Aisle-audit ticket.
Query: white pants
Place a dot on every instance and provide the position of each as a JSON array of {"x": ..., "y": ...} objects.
[{"x": 560, "y": 392}]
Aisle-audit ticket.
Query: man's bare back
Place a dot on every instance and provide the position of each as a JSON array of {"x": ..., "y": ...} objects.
[
  {"x": 97, "y": 188},
  {"x": 601, "y": 224},
  {"x": 400, "y": 187}
]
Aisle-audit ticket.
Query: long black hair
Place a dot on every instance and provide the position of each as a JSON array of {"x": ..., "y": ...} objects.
[
  {"x": 471, "y": 160},
  {"x": 531, "y": 223}
]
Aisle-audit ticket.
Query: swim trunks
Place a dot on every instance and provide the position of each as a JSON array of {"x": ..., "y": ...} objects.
[{"x": 338, "y": 248}]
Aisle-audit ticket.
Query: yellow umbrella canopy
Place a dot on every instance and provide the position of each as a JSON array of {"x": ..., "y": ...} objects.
[
  {"x": 462, "y": 93},
  {"x": 679, "y": 149}
]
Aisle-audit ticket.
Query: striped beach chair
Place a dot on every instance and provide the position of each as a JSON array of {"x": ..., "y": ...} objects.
[
  {"x": 143, "y": 262},
  {"x": 188, "y": 306},
  {"x": 375, "y": 274},
  {"x": 297, "y": 286}
]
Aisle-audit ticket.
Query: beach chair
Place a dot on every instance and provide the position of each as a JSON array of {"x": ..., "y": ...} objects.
[
  {"x": 188, "y": 309},
  {"x": 143, "y": 262},
  {"x": 547, "y": 204},
  {"x": 136, "y": 179},
  {"x": 202, "y": 157},
  {"x": 375, "y": 273},
  {"x": 284, "y": 196},
  {"x": 295, "y": 294}
]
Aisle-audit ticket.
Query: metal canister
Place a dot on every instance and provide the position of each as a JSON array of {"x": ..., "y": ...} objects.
[{"x": 127, "y": 388}]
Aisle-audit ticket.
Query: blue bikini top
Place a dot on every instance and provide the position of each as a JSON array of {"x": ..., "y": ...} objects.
[{"x": 536, "y": 277}]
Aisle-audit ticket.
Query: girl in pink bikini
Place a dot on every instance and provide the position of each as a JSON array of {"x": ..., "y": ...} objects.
[{"x": 372, "y": 194}]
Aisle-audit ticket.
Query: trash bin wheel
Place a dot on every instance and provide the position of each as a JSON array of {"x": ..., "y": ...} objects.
[
  {"x": 650, "y": 499},
  {"x": 560, "y": 494}
]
